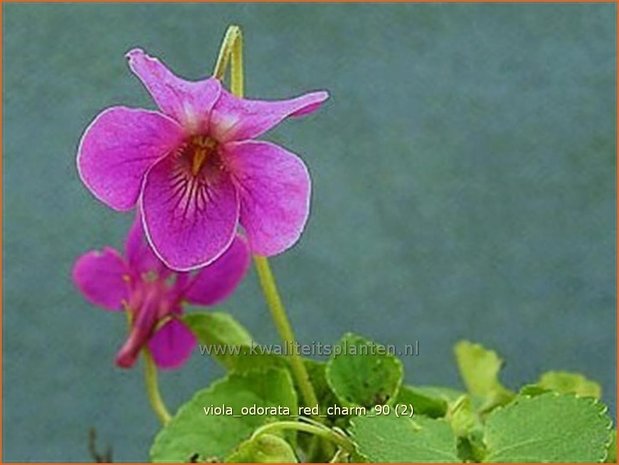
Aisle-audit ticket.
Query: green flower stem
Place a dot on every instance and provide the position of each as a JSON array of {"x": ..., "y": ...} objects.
[
  {"x": 321, "y": 431},
  {"x": 152, "y": 389},
  {"x": 320, "y": 448},
  {"x": 231, "y": 52},
  {"x": 278, "y": 313}
]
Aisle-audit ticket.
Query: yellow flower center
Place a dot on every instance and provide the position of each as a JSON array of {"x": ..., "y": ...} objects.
[{"x": 201, "y": 148}]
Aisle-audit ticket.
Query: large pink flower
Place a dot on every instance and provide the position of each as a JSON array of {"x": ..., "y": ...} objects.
[
  {"x": 141, "y": 284},
  {"x": 195, "y": 169}
]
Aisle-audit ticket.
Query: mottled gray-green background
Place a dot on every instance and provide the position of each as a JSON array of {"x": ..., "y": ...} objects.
[{"x": 463, "y": 187}]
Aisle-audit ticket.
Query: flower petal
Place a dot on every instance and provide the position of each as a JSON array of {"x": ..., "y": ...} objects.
[
  {"x": 187, "y": 102},
  {"x": 274, "y": 186},
  {"x": 145, "y": 320},
  {"x": 178, "y": 289},
  {"x": 234, "y": 118},
  {"x": 102, "y": 278},
  {"x": 139, "y": 253},
  {"x": 172, "y": 344},
  {"x": 214, "y": 283},
  {"x": 117, "y": 149},
  {"x": 189, "y": 220}
]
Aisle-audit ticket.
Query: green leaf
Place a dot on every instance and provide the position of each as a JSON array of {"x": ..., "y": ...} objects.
[
  {"x": 532, "y": 390},
  {"x": 217, "y": 328},
  {"x": 479, "y": 369},
  {"x": 565, "y": 382},
  {"x": 228, "y": 342},
  {"x": 612, "y": 448},
  {"x": 424, "y": 401},
  {"x": 326, "y": 398},
  {"x": 449, "y": 395},
  {"x": 392, "y": 440},
  {"x": 362, "y": 373},
  {"x": 466, "y": 424},
  {"x": 548, "y": 428},
  {"x": 316, "y": 372},
  {"x": 463, "y": 418},
  {"x": 192, "y": 434},
  {"x": 266, "y": 448},
  {"x": 471, "y": 448}
]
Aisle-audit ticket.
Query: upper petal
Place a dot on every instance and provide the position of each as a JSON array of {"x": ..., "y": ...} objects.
[
  {"x": 189, "y": 220},
  {"x": 274, "y": 186},
  {"x": 102, "y": 278},
  {"x": 187, "y": 102},
  {"x": 172, "y": 344},
  {"x": 235, "y": 118},
  {"x": 139, "y": 253},
  {"x": 117, "y": 149},
  {"x": 215, "y": 282}
]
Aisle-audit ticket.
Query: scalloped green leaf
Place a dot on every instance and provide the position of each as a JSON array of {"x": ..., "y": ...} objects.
[
  {"x": 232, "y": 346},
  {"x": 463, "y": 418},
  {"x": 448, "y": 394},
  {"x": 548, "y": 428},
  {"x": 316, "y": 372},
  {"x": 565, "y": 382},
  {"x": 194, "y": 435},
  {"x": 363, "y": 373},
  {"x": 466, "y": 424},
  {"x": 228, "y": 342},
  {"x": 389, "y": 439},
  {"x": 424, "y": 401},
  {"x": 266, "y": 448},
  {"x": 611, "y": 457},
  {"x": 479, "y": 369},
  {"x": 218, "y": 328},
  {"x": 532, "y": 390}
]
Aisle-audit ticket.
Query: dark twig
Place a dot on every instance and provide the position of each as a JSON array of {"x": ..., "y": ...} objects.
[{"x": 104, "y": 457}]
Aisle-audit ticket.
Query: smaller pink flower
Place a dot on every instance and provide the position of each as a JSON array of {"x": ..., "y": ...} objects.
[
  {"x": 154, "y": 295},
  {"x": 195, "y": 168}
]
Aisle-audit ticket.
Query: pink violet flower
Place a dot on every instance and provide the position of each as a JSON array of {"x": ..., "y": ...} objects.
[
  {"x": 154, "y": 295},
  {"x": 194, "y": 168}
]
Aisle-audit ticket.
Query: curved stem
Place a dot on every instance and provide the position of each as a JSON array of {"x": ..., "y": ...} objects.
[
  {"x": 280, "y": 318},
  {"x": 231, "y": 52},
  {"x": 321, "y": 431},
  {"x": 340, "y": 456},
  {"x": 152, "y": 389}
]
